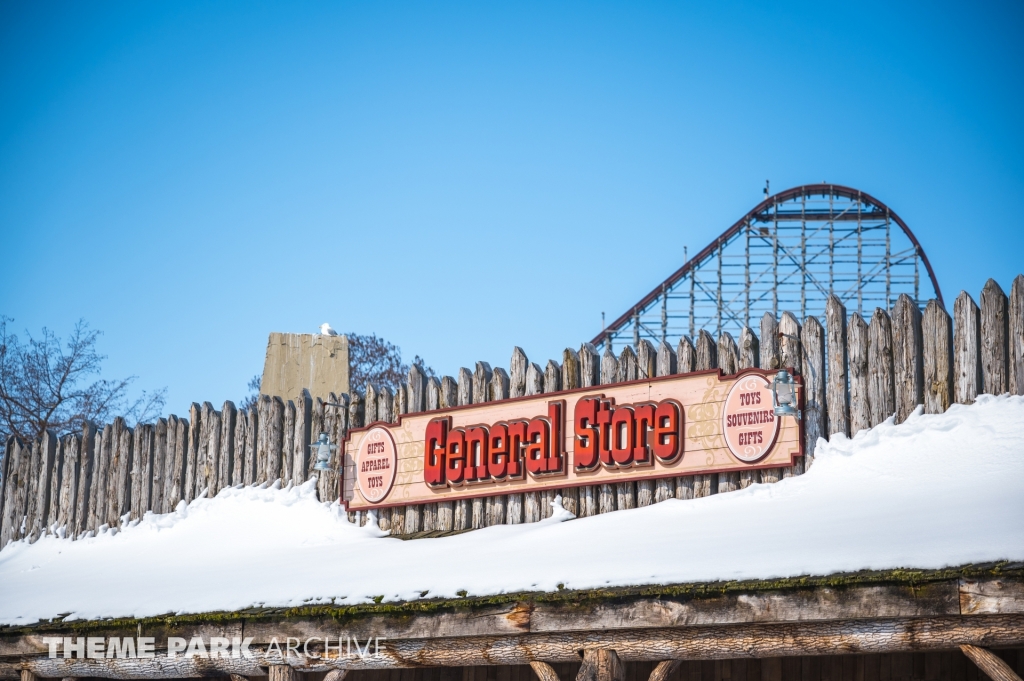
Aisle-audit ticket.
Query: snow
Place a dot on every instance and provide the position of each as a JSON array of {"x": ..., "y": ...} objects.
[{"x": 936, "y": 491}]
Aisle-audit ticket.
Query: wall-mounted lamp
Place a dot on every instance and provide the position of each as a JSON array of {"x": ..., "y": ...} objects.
[
  {"x": 323, "y": 448},
  {"x": 784, "y": 395}
]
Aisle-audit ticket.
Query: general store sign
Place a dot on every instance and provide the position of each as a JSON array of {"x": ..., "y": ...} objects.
[{"x": 679, "y": 425}]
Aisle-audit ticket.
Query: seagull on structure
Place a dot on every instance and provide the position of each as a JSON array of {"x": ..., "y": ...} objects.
[{"x": 326, "y": 330}]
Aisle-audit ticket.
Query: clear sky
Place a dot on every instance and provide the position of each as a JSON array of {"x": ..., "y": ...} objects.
[{"x": 463, "y": 178}]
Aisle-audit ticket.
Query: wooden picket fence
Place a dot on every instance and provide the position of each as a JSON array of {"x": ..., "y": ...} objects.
[{"x": 856, "y": 373}]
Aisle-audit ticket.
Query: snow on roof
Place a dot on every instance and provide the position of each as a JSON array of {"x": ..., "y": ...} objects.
[{"x": 937, "y": 491}]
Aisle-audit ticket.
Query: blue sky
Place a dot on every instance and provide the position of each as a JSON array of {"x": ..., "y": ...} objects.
[{"x": 462, "y": 178}]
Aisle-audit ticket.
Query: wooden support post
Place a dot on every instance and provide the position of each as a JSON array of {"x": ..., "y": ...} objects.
[
  {"x": 142, "y": 469},
  {"x": 601, "y": 665},
  {"x": 193, "y": 445},
  {"x": 570, "y": 376},
  {"x": 606, "y": 493},
  {"x": 1015, "y": 335},
  {"x": 666, "y": 363},
  {"x": 40, "y": 485},
  {"x": 706, "y": 357},
  {"x": 281, "y": 672},
  {"x": 241, "y": 442},
  {"x": 87, "y": 461},
  {"x": 482, "y": 375},
  {"x": 498, "y": 390},
  {"x": 967, "y": 382},
  {"x": 15, "y": 484},
  {"x": 838, "y": 367},
  {"x": 990, "y": 663},
  {"x": 860, "y": 406},
  {"x": 56, "y": 482},
  {"x": 276, "y": 444},
  {"x": 686, "y": 361},
  {"x": 67, "y": 501},
  {"x": 628, "y": 370},
  {"x": 994, "y": 359},
  {"x": 815, "y": 416},
  {"x": 250, "y": 464},
  {"x": 27, "y": 675},
  {"x": 646, "y": 359},
  {"x": 302, "y": 438},
  {"x": 771, "y": 355},
  {"x": 534, "y": 386},
  {"x": 517, "y": 368},
  {"x": 463, "y": 518},
  {"x": 287, "y": 448},
  {"x": 156, "y": 494},
  {"x": 881, "y": 389},
  {"x": 386, "y": 405},
  {"x": 590, "y": 375},
  {"x": 791, "y": 357}
]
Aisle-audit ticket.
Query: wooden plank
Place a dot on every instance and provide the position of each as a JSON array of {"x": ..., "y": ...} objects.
[
  {"x": 302, "y": 437},
  {"x": 686, "y": 361},
  {"x": 791, "y": 357},
  {"x": 401, "y": 401},
  {"x": 967, "y": 381},
  {"x": 417, "y": 389},
  {"x": 646, "y": 359},
  {"x": 666, "y": 362},
  {"x": 386, "y": 404},
  {"x": 606, "y": 495},
  {"x": 706, "y": 352},
  {"x": 534, "y": 379},
  {"x": 192, "y": 460},
  {"x": 16, "y": 460},
  {"x": 44, "y": 452},
  {"x": 371, "y": 404},
  {"x": 120, "y": 503},
  {"x": 85, "y": 477},
  {"x": 482, "y": 374},
  {"x": 174, "y": 465},
  {"x": 56, "y": 482},
  {"x": 241, "y": 444},
  {"x": 937, "y": 351},
  {"x": 203, "y": 458},
  {"x": 1015, "y": 336},
  {"x": 994, "y": 331},
  {"x": 276, "y": 442},
  {"x": 991, "y": 596},
  {"x": 212, "y": 428},
  {"x": 518, "y": 366},
  {"x": 226, "y": 456},
  {"x": 815, "y": 415},
  {"x": 771, "y": 354},
  {"x": 552, "y": 377},
  {"x": 157, "y": 485},
  {"x": 341, "y": 421},
  {"x": 860, "y": 405},
  {"x": 570, "y": 369},
  {"x": 98, "y": 498},
  {"x": 433, "y": 394},
  {"x": 288, "y": 444},
  {"x": 749, "y": 357},
  {"x": 837, "y": 371},
  {"x": 907, "y": 357},
  {"x": 142, "y": 469},
  {"x": 881, "y": 389},
  {"x": 590, "y": 366},
  {"x": 728, "y": 354}
]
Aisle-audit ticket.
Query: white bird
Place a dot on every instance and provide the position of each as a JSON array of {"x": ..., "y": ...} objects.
[{"x": 326, "y": 330}]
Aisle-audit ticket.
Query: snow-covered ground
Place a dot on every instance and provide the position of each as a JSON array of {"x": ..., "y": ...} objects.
[{"x": 933, "y": 492}]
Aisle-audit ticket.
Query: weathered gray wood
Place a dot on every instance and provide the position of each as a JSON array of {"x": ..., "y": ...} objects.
[
  {"x": 158, "y": 483},
  {"x": 401, "y": 401},
  {"x": 433, "y": 394},
  {"x": 815, "y": 416},
  {"x": 44, "y": 453},
  {"x": 303, "y": 436},
  {"x": 590, "y": 366},
  {"x": 16, "y": 461},
  {"x": 337, "y": 427},
  {"x": 686, "y": 356},
  {"x": 356, "y": 411},
  {"x": 552, "y": 377},
  {"x": 749, "y": 350},
  {"x": 85, "y": 474},
  {"x": 646, "y": 359},
  {"x": 192, "y": 452},
  {"x": 994, "y": 330},
  {"x": 481, "y": 382},
  {"x": 1015, "y": 335},
  {"x": 226, "y": 455},
  {"x": 517, "y": 368},
  {"x": 276, "y": 444},
  {"x": 665, "y": 670},
  {"x": 881, "y": 389},
  {"x": 570, "y": 370},
  {"x": 49, "y": 522},
  {"x": 371, "y": 403},
  {"x": 967, "y": 381},
  {"x": 665, "y": 364},
  {"x": 282, "y": 672},
  {"x": 500, "y": 382},
  {"x": 142, "y": 469},
  {"x": 417, "y": 389},
  {"x": 789, "y": 342},
  {"x": 119, "y": 502},
  {"x": 449, "y": 393},
  {"x": 771, "y": 353},
  {"x": 628, "y": 369},
  {"x": 728, "y": 354},
  {"x": 907, "y": 357},
  {"x": 601, "y": 664},
  {"x": 465, "y": 386},
  {"x": 544, "y": 671},
  {"x": 838, "y": 367},
  {"x": 860, "y": 405},
  {"x": 241, "y": 445},
  {"x": 213, "y": 428},
  {"x": 174, "y": 465},
  {"x": 534, "y": 379},
  {"x": 990, "y": 663},
  {"x": 385, "y": 405},
  {"x": 101, "y": 464},
  {"x": 496, "y": 507},
  {"x": 288, "y": 445},
  {"x": 706, "y": 356},
  {"x": 609, "y": 366}
]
